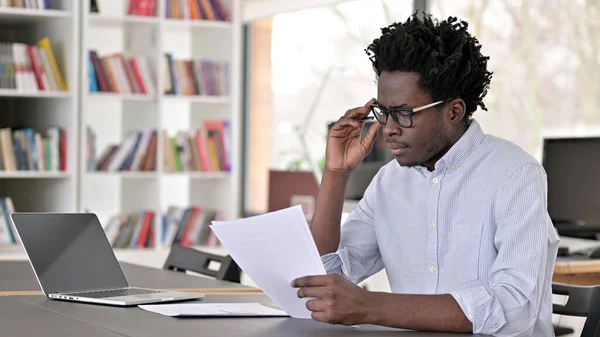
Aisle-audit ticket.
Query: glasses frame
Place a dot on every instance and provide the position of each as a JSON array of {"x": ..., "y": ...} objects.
[{"x": 407, "y": 112}]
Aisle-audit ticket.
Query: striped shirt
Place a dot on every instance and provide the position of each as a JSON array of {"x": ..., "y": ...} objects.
[{"x": 476, "y": 228}]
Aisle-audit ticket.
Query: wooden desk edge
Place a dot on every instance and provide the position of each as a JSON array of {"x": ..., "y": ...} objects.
[
  {"x": 576, "y": 267},
  {"x": 208, "y": 291}
]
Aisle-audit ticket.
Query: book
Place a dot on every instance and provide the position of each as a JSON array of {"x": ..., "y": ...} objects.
[
  {"x": 26, "y": 149},
  {"x": 27, "y": 4},
  {"x": 132, "y": 230},
  {"x": 205, "y": 149},
  {"x": 184, "y": 225},
  {"x": 8, "y": 233},
  {"x": 45, "y": 45},
  {"x": 141, "y": 7},
  {"x": 118, "y": 73},
  {"x": 196, "y": 77},
  {"x": 94, "y": 6},
  {"x": 29, "y": 68},
  {"x": 196, "y": 10},
  {"x": 137, "y": 152}
]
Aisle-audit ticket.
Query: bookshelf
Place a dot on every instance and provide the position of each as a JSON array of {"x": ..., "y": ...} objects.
[
  {"x": 113, "y": 116},
  {"x": 27, "y": 15},
  {"x": 34, "y": 187},
  {"x": 41, "y": 94},
  {"x": 121, "y": 19}
]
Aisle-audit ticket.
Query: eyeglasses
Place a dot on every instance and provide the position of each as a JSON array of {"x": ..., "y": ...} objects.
[{"x": 401, "y": 116}]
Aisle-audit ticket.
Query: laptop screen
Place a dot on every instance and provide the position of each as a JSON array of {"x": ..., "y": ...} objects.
[{"x": 68, "y": 252}]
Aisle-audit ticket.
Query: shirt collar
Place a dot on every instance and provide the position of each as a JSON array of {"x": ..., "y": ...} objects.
[{"x": 459, "y": 152}]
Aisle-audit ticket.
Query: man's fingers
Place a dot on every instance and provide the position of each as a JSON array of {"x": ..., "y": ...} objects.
[
  {"x": 311, "y": 281},
  {"x": 344, "y": 121},
  {"x": 323, "y": 316},
  {"x": 314, "y": 292},
  {"x": 360, "y": 112},
  {"x": 315, "y": 305},
  {"x": 371, "y": 135}
]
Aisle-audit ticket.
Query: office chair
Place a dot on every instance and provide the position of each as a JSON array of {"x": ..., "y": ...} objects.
[
  {"x": 184, "y": 259},
  {"x": 583, "y": 301}
]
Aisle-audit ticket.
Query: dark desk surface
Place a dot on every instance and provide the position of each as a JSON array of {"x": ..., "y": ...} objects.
[
  {"x": 19, "y": 319},
  {"x": 18, "y": 276},
  {"x": 38, "y": 316}
]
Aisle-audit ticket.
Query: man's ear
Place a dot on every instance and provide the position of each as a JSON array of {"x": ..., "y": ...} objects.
[{"x": 456, "y": 110}]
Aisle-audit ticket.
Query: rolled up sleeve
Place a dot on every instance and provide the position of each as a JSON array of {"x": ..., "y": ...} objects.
[
  {"x": 358, "y": 255},
  {"x": 519, "y": 292}
]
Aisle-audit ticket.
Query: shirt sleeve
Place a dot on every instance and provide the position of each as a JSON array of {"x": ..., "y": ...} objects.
[
  {"x": 358, "y": 254},
  {"x": 521, "y": 275}
]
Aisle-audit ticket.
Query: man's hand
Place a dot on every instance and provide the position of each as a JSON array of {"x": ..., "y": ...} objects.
[
  {"x": 345, "y": 148},
  {"x": 335, "y": 300}
]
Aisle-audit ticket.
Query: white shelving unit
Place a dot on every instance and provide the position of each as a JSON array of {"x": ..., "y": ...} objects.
[
  {"x": 25, "y": 15},
  {"x": 40, "y": 190},
  {"x": 113, "y": 115},
  {"x": 31, "y": 94}
]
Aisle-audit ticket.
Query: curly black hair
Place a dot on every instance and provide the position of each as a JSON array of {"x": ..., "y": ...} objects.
[{"x": 444, "y": 53}]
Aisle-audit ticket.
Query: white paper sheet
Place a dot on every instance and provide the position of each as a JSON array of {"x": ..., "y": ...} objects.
[
  {"x": 214, "y": 309},
  {"x": 273, "y": 249}
]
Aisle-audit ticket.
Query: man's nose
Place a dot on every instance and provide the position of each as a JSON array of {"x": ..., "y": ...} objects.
[{"x": 391, "y": 128}]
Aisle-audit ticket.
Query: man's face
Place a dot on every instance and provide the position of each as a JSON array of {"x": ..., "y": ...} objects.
[{"x": 420, "y": 144}]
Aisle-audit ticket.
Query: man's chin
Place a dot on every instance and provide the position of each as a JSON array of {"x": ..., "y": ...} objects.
[{"x": 406, "y": 162}]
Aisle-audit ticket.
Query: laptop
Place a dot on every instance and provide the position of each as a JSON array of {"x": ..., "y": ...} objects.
[{"x": 73, "y": 260}]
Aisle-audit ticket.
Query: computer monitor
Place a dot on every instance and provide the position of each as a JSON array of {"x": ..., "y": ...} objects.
[{"x": 572, "y": 166}]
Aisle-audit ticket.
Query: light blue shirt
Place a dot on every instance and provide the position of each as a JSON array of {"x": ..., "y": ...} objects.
[{"x": 476, "y": 228}]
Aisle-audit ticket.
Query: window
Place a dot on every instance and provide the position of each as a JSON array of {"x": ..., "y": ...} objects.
[
  {"x": 317, "y": 70},
  {"x": 545, "y": 60},
  {"x": 546, "y": 64}
]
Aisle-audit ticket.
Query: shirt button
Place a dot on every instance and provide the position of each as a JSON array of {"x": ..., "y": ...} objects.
[
  {"x": 432, "y": 224},
  {"x": 453, "y": 168},
  {"x": 435, "y": 180},
  {"x": 432, "y": 269}
]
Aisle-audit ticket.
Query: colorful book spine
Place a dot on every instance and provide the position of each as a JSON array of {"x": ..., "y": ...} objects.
[
  {"x": 199, "y": 77},
  {"x": 120, "y": 74},
  {"x": 29, "y": 68},
  {"x": 207, "y": 149},
  {"x": 196, "y": 10}
]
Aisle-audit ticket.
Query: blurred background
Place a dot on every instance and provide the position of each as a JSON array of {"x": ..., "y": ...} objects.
[
  {"x": 161, "y": 116},
  {"x": 545, "y": 60}
]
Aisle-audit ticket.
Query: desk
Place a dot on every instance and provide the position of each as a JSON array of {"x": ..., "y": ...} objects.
[
  {"x": 38, "y": 316},
  {"x": 35, "y": 315},
  {"x": 577, "y": 272},
  {"x": 18, "y": 276}
]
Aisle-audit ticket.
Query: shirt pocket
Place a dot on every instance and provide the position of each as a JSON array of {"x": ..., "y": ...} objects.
[{"x": 464, "y": 251}]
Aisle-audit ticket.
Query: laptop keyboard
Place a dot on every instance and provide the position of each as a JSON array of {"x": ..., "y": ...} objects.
[{"x": 116, "y": 292}]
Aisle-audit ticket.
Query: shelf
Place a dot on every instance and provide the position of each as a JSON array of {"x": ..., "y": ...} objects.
[
  {"x": 34, "y": 94},
  {"x": 198, "y": 99},
  {"x": 27, "y": 15},
  {"x": 199, "y": 175},
  {"x": 120, "y": 96},
  {"x": 112, "y": 192},
  {"x": 113, "y": 20},
  {"x": 186, "y": 24},
  {"x": 154, "y": 257},
  {"x": 12, "y": 252},
  {"x": 124, "y": 174},
  {"x": 162, "y": 249},
  {"x": 33, "y": 175},
  {"x": 151, "y": 257},
  {"x": 151, "y": 175}
]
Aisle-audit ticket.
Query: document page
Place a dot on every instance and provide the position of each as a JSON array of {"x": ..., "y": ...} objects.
[
  {"x": 273, "y": 249},
  {"x": 213, "y": 309}
]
